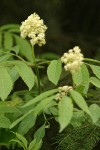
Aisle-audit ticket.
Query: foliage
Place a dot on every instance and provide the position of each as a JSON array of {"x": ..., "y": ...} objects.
[{"x": 28, "y": 112}]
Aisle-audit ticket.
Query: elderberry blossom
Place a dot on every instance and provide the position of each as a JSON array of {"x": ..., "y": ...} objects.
[
  {"x": 62, "y": 91},
  {"x": 33, "y": 28},
  {"x": 72, "y": 59}
]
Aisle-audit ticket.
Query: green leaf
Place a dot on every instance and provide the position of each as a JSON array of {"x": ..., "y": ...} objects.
[
  {"x": 54, "y": 71},
  {"x": 95, "y": 112},
  {"x": 4, "y": 57},
  {"x": 22, "y": 139},
  {"x": 37, "y": 142},
  {"x": 79, "y": 100},
  {"x": 35, "y": 146},
  {"x": 96, "y": 70},
  {"x": 26, "y": 73},
  {"x": 40, "y": 97},
  {"x": 26, "y": 124},
  {"x": 24, "y": 46},
  {"x": 40, "y": 133},
  {"x": 8, "y": 109},
  {"x": 81, "y": 79},
  {"x": 95, "y": 81},
  {"x": 8, "y": 40},
  {"x": 4, "y": 122},
  {"x": 6, "y": 83},
  {"x": 14, "y": 74},
  {"x": 81, "y": 76},
  {"x": 9, "y": 26},
  {"x": 65, "y": 107}
]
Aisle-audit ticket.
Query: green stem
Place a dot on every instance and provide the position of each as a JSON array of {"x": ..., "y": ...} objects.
[
  {"x": 91, "y": 60},
  {"x": 36, "y": 68}
]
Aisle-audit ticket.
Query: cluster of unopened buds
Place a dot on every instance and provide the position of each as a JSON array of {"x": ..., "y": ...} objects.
[
  {"x": 62, "y": 91},
  {"x": 72, "y": 59},
  {"x": 33, "y": 28}
]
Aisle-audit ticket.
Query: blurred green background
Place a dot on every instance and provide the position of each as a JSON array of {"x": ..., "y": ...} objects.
[{"x": 69, "y": 22}]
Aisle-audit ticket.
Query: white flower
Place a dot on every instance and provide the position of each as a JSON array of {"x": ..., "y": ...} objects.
[
  {"x": 73, "y": 59},
  {"x": 34, "y": 29},
  {"x": 63, "y": 91}
]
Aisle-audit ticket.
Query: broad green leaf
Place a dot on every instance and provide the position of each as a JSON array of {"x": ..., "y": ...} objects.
[
  {"x": 96, "y": 70},
  {"x": 54, "y": 71},
  {"x": 9, "y": 26},
  {"x": 65, "y": 108},
  {"x": 8, "y": 40},
  {"x": 26, "y": 73},
  {"x": 40, "y": 97},
  {"x": 79, "y": 100},
  {"x": 24, "y": 46},
  {"x": 85, "y": 73},
  {"x": 0, "y": 39},
  {"x": 4, "y": 122},
  {"x": 14, "y": 74},
  {"x": 95, "y": 112},
  {"x": 6, "y": 83},
  {"x": 26, "y": 124},
  {"x": 22, "y": 139},
  {"x": 95, "y": 81}
]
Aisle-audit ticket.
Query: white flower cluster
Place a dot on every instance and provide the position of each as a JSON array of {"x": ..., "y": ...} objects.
[
  {"x": 63, "y": 91},
  {"x": 34, "y": 29},
  {"x": 73, "y": 59}
]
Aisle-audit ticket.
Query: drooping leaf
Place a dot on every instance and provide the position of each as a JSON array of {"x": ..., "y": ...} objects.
[
  {"x": 24, "y": 46},
  {"x": 79, "y": 100},
  {"x": 96, "y": 70},
  {"x": 95, "y": 81},
  {"x": 95, "y": 112},
  {"x": 65, "y": 108},
  {"x": 8, "y": 40},
  {"x": 26, "y": 73},
  {"x": 6, "y": 83},
  {"x": 54, "y": 71},
  {"x": 4, "y": 122}
]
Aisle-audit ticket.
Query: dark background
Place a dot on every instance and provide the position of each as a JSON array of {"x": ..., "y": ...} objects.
[{"x": 70, "y": 22}]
